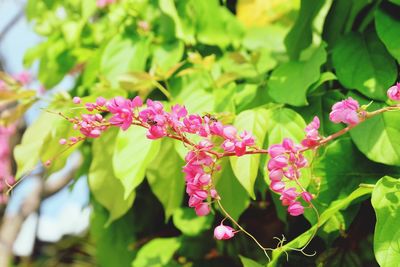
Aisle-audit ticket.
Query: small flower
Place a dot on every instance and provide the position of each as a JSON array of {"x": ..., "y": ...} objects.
[
  {"x": 345, "y": 111},
  {"x": 295, "y": 209},
  {"x": 223, "y": 232},
  {"x": 76, "y": 100},
  {"x": 62, "y": 141},
  {"x": 202, "y": 209},
  {"x": 394, "y": 92},
  {"x": 307, "y": 197}
]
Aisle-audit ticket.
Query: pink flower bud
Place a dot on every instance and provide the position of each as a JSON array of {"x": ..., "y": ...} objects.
[
  {"x": 223, "y": 232},
  {"x": 62, "y": 141},
  {"x": 394, "y": 92},
  {"x": 307, "y": 197},
  {"x": 345, "y": 111},
  {"x": 296, "y": 209},
  {"x": 277, "y": 186},
  {"x": 202, "y": 209},
  {"x": 229, "y": 132},
  {"x": 276, "y": 175},
  {"x": 276, "y": 150},
  {"x": 47, "y": 163},
  {"x": 76, "y": 100},
  {"x": 278, "y": 162},
  {"x": 101, "y": 101}
]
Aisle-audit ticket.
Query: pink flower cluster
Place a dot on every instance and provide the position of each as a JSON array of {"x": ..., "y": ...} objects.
[
  {"x": 198, "y": 168},
  {"x": 24, "y": 77},
  {"x": 345, "y": 111},
  {"x": 284, "y": 165},
  {"x": 394, "y": 92},
  {"x": 177, "y": 123},
  {"x": 6, "y": 178}
]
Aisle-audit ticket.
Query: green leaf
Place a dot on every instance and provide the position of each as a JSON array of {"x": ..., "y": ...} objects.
[
  {"x": 112, "y": 242},
  {"x": 133, "y": 153},
  {"x": 245, "y": 167},
  {"x": 106, "y": 188},
  {"x": 397, "y": 2},
  {"x": 290, "y": 81},
  {"x": 378, "y": 137},
  {"x": 122, "y": 55},
  {"x": 388, "y": 29},
  {"x": 300, "y": 36},
  {"x": 249, "y": 262},
  {"x": 386, "y": 202},
  {"x": 186, "y": 220},
  {"x": 234, "y": 197},
  {"x": 363, "y": 63},
  {"x": 165, "y": 56},
  {"x": 27, "y": 154},
  {"x": 302, "y": 239},
  {"x": 184, "y": 25},
  {"x": 166, "y": 178},
  {"x": 157, "y": 253},
  {"x": 341, "y": 168}
]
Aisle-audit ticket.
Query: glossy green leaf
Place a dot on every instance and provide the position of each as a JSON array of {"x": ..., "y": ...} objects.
[
  {"x": 157, "y": 253},
  {"x": 249, "y": 262},
  {"x": 290, "y": 81},
  {"x": 378, "y": 137},
  {"x": 388, "y": 29},
  {"x": 245, "y": 167},
  {"x": 300, "y": 36},
  {"x": 122, "y": 55},
  {"x": 234, "y": 197},
  {"x": 27, "y": 153},
  {"x": 133, "y": 153},
  {"x": 186, "y": 220},
  {"x": 112, "y": 241},
  {"x": 363, "y": 63},
  {"x": 106, "y": 188},
  {"x": 334, "y": 207},
  {"x": 386, "y": 202},
  {"x": 165, "y": 177}
]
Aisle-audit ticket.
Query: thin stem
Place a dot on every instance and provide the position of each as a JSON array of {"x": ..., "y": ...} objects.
[
  {"x": 163, "y": 90},
  {"x": 241, "y": 228}
]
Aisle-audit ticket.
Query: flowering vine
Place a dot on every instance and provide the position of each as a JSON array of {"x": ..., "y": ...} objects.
[{"x": 286, "y": 159}]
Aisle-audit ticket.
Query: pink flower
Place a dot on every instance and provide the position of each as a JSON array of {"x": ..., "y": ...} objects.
[
  {"x": 229, "y": 132},
  {"x": 312, "y": 135},
  {"x": 62, "y": 141},
  {"x": 76, "y": 100},
  {"x": 202, "y": 209},
  {"x": 276, "y": 150},
  {"x": 123, "y": 112},
  {"x": 247, "y": 138},
  {"x": 277, "y": 186},
  {"x": 276, "y": 175},
  {"x": 288, "y": 196},
  {"x": 278, "y": 162},
  {"x": 223, "y": 232},
  {"x": 345, "y": 111},
  {"x": 394, "y": 92},
  {"x": 101, "y": 101},
  {"x": 155, "y": 132},
  {"x": 295, "y": 209},
  {"x": 307, "y": 197}
]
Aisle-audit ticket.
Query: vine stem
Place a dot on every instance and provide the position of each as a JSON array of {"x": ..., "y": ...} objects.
[{"x": 242, "y": 229}]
